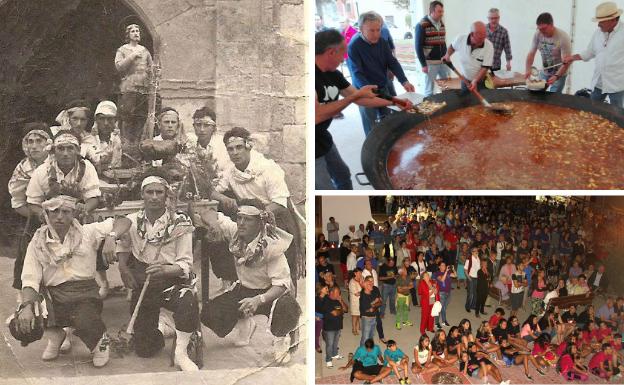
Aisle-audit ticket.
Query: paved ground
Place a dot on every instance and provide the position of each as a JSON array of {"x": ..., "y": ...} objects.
[
  {"x": 223, "y": 363},
  {"x": 407, "y": 338}
]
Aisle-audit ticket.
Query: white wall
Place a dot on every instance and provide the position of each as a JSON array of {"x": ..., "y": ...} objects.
[
  {"x": 519, "y": 19},
  {"x": 348, "y": 210}
]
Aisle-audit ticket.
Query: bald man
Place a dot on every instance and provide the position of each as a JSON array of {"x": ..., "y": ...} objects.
[{"x": 475, "y": 54}]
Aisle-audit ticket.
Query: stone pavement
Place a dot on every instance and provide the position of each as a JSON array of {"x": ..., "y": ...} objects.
[{"x": 223, "y": 362}]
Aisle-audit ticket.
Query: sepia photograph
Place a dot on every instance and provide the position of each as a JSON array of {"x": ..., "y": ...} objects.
[
  {"x": 469, "y": 289},
  {"x": 485, "y": 95},
  {"x": 154, "y": 219}
]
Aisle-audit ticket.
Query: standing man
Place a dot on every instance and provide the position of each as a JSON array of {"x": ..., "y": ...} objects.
[
  {"x": 388, "y": 273},
  {"x": 370, "y": 59},
  {"x": 370, "y": 301},
  {"x": 497, "y": 34},
  {"x": 161, "y": 246},
  {"x": 331, "y": 172},
  {"x": 607, "y": 46},
  {"x": 134, "y": 63},
  {"x": 475, "y": 54},
  {"x": 471, "y": 267},
  {"x": 431, "y": 46},
  {"x": 553, "y": 44},
  {"x": 333, "y": 310}
]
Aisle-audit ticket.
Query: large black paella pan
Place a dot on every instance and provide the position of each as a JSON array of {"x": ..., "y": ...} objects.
[{"x": 549, "y": 142}]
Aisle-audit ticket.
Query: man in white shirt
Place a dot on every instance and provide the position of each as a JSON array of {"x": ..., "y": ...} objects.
[
  {"x": 369, "y": 271},
  {"x": 607, "y": 47},
  {"x": 258, "y": 181},
  {"x": 475, "y": 54},
  {"x": 60, "y": 263},
  {"x": 355, "y": 240},
  {"x": 471, "y": 268},
  {"x": 160, "y": 247},
  {"x": 265, "y": 286},
  {"x": 332, "y": 231}
]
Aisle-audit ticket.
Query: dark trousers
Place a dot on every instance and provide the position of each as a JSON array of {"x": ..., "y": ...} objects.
[
  {"x": 481, "y": 298},
  {"x": 31, "y": 225},
  {"x": 414, "y": 296},
  {"x": 172, "y": 294},
  {"x": 221, "y": 313},
  {"x": 379, "y": 327},
  {"x": 133, "y": 113},
  {"x": 78, "y": 305}
]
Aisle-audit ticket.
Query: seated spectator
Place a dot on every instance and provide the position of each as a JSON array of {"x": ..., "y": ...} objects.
[
  {"x": 366, "y": 365},
  {"x": 395, "y": 359},
  {"x": 569, "y": 365},
  {"x": 601, "y": 363},
  {"x": 607, "y": 313},
  {"x": 598, "y": 281}
]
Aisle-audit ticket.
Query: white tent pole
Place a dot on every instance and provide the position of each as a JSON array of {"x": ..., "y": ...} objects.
[{"x": 572, "y": 39}]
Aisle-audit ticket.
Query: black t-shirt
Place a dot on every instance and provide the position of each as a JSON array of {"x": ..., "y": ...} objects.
[
  {"x": 344, "y": 252},
  {"x": 331, "y": 322},
  {"x": 452, "y": 344},
  {"x": 513, "y": 330},
  {"x": 386, "y": 270},
  {"x": 566, "y": 317},
  {"x": 500, "y": 334},
  {"x": 328, "y": 86},
  {"x": 366, "y": 300}
]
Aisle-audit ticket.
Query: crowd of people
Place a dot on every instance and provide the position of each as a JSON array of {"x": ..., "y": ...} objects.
[
  {"x": 73, "y": 169},
  {"x": 526, "y": 251},
  {"x": 372, "y": 63}
]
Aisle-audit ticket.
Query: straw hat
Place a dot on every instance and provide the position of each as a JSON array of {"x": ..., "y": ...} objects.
[{"x": 607, "y": 11}]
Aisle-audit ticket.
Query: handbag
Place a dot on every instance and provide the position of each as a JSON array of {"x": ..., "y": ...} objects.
[{"x": 436, "y": 309}]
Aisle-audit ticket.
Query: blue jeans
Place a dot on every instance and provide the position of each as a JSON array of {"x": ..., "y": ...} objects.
[
  {"x": 471, "y": 297},
  {"x": 368, "y": 328},
  {"x": 371, "y": 115},
  {"x": 556, "y": 87},
  {"x": 444, "y": 300},
  {"x": 616, "y": 99},
  {"x": 331, "y": 172},
  {"x": 389, "y": 292},
  {"x": 331, "y": 338},
  {"x": 435, "y": 71}
]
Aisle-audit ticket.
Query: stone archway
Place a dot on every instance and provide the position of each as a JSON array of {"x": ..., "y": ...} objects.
[{"x": 54, "y": 51}]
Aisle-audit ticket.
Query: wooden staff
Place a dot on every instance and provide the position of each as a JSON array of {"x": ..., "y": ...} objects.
[{"x": 135, "y": 313}]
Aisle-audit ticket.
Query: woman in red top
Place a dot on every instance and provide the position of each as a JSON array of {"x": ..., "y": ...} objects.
[
  {"x": 603, "y": 331},
  {"x": 570, "y": 367},
  {"x": 428, "y": 292},
  {"x": 411, "y": 244}
]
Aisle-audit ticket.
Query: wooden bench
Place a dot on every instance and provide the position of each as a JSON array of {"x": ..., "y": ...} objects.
[
  {"x": 567, "y": 301},
  {"x": 495, "y": 293}
]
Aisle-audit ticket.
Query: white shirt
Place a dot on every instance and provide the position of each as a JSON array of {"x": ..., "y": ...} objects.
[
  {"x": 472, "y": 60},
  {"x": 272, "y": 270},
  {"x": 39, "y": 185},
  {"x": 474, "y": 268},
  {"x": 351, "y": 261},
  {"x": 79, "y": 267},
  {"x": 265, "y": 181},
  {"x": 367, "y": 273},
  {"x": 609, "y": 70},
  {"x": 177, "y": 251}
]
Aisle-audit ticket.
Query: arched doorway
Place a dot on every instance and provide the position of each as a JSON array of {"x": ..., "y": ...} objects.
[{"x": 54, "y": 51}]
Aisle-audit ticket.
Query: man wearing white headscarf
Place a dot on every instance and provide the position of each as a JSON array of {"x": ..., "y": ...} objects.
[
  {"x": 160, "y": 246},
  {"x": 74, "y": 118},
  {"x": 60, "y": 264},
  {"x": 36, "y": 146},
  {"x": 264, "y": 285},
  {"x": 257, "y": 181},
  {"x": 65, "y": 172},
  {"x": 102, "y": 146}
]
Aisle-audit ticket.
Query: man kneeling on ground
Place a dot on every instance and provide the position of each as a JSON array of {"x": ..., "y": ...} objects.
[{"x": 60, "y": 263}]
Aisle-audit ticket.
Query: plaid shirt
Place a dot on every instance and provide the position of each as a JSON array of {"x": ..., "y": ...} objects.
[{"x": 500, "y": 40}]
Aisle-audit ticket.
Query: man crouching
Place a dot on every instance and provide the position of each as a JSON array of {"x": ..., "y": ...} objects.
[
  {"x": 60, "y": 264},
  {"x": 161, "y": 248},
  {"x": 264, "y": 284}
]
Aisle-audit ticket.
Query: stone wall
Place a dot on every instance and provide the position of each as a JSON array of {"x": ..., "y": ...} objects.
[{"x": 260, "y": 78}]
